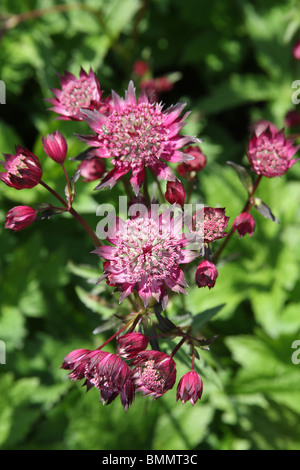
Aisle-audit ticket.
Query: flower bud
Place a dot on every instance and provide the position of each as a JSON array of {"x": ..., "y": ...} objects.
[
  {"x": 92, "y": 169},
  {"x": 296, "y": 50},
  {"x": 22, "y": 170},
  {"x": 206, "y": 274},
  {"x": 55, "y": 146},
  {"x": 244, "y": 223},
  {"x": 175, "y": 193},
  {"x": 191, "y": 167},
  {"x": 20, "y": 217},
  {"x": 131, "y": 344},
  {"x": 190, "y": 387}
]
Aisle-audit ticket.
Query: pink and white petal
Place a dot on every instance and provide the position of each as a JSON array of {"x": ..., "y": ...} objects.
[
  {"x": 94, "y": 119},
  {"x": 162, "y": 171},
  {"x": 136, "y": 180},
  {"x": 130, "y": 96}
]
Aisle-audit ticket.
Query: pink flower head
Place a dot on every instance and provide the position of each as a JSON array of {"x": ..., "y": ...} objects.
[
  {"x": 209, "y": 224},
  {"x": 92, "y": 169},
  {"x": 23, "y": 170},
  {"x": 131, "y": 344},
  {"x": 55, "y": 146},
  {"x": 76, "y": 93},
  {"x": 146, "y": 254},
  {"x": 175, "y": 193},
  {"x": 190, "y": 168},
  {"x": 244, "y": 223},
  {"x": 270, "y": 154},
  {"x": 190, "y": 387},
  {"x": 105, "y": 371},
  {"x": 137, "y": 134},
  {"x": 154, "y": 373},
  {"x": 20, "y": 217},
  {"x": 296, "y": 50},
  {"x": 206, "y": 274}
]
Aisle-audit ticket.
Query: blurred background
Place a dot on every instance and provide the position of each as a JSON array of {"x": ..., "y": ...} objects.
[{"x": 233, "y": 64}]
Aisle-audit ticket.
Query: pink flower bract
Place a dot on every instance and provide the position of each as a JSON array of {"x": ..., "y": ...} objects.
[
  {"x": 136, "y": 134},
  {"x": 146, "y": 254}
]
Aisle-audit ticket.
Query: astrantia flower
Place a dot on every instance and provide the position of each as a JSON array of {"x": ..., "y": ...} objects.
[
  {"x": 209, "y": 223},
  {"x": 20, "y": 217},
  {"x": 105, "y": 371},
  {"x": 270, "y": 154},
  {"x": 190, "y": 387},
  {"x": 244, "y": 223},
  {"x": 137, "y": 134},
  {"x": 55, "y": 146},
  {"x": 23, "y": 170},
  {"x": 206, "y": 274},
  {"x": 130, "y": 344},
  {"x": 146, "y": 254},
  {"x": 76, "y": 93},
  {"x": 154, "y": 373}
]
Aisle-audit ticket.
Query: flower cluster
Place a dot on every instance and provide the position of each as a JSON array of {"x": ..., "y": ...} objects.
[{"x": 144, "y": 256}]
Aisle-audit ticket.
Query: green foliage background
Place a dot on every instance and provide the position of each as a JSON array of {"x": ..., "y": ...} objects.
[{"x": 236, "y": 66}]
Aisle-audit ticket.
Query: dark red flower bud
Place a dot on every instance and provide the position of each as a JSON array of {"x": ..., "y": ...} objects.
[
  {"x": 22, "y": 170},
  {"x": 55, "y": 146},
  {"x": 92, "y": 169},
  {"x": 206, "y": 274},
  {"x": 191, "y": 167},
  {"x": 175, "y": 193},
  {"x": 244, "y": 223},
  {"x": 296, "y": 50},
  {"x": 190, "y": 387},
  {"x": 20, "y": 217},
  {"x": 131, "y": 344}
]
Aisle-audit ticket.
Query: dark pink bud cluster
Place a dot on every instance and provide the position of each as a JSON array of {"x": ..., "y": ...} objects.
[
  {"x": 149, "y": 371},
  {"x": 20, "y": 217},
  {"x": 22, "y": 170}
]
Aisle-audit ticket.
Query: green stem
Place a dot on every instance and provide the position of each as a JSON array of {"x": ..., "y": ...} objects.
[
  {"x": 247, "y": 206},
  {"x": 75, "y": 214}
]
